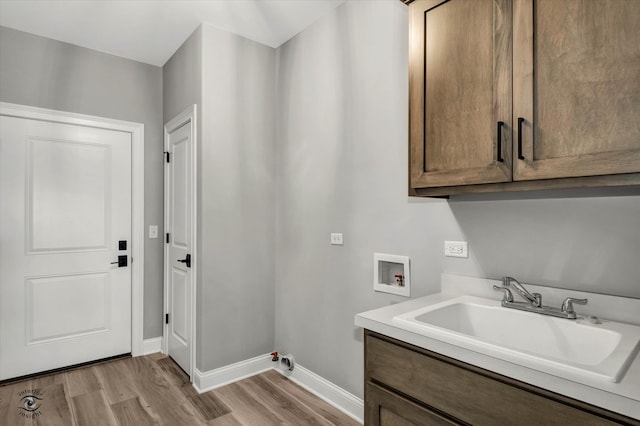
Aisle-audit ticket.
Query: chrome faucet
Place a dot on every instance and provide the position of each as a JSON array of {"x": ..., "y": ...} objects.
[{"x": 533, "y": 301}]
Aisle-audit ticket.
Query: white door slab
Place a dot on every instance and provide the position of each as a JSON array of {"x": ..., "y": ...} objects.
[
  {"x": 179, "y": 192},
  {"x": 66, "y": 202}
]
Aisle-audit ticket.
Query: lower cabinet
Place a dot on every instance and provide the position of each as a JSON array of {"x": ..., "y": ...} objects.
[
  {"x": 387, "y": 408},
  {"x": 408, "y": 385}
]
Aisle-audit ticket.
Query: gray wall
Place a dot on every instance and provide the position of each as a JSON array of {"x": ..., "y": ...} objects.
[
  {"x": 341, "y": 161},
  {"x": 342, "y": 167},
  {"x": 237, "y": 211},
  {"x": 585, "y": 242},
  {"x": 182, "y": 78},
  {"x": 46, "y": 73},
  {"x": 182, "y": 87},
  {"x": 232, "y": 80}
]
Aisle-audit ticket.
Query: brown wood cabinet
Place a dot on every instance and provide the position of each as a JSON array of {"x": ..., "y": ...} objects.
[
  {"x": 408, "y": 385},
  {"x": 384, "y": 407},
  {"x": 510, "y": 95}
]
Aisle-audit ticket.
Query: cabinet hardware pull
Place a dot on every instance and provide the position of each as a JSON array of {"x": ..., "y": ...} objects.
[
  {"x": 500, "y": 159},
  {"x": 520, "y": 121}
]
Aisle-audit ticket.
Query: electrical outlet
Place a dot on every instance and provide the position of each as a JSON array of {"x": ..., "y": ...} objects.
[
  {"x": 456, "y": 249},
  {"x": 336, "y": 239}
]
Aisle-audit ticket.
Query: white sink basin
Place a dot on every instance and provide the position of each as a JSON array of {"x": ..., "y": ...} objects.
[{"x": 573, "y": 349}]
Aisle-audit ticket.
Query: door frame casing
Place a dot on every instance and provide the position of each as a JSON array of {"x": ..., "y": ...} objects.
[
  {"x": 136, "y": 130},
  {"x": 189, "y": 115}
]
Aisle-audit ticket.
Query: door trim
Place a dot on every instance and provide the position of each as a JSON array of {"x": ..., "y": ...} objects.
[
  {"x": 137, "y": 196},
  {"x": 189, "y": 115}
]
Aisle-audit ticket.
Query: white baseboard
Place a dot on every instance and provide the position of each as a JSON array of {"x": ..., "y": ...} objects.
[
  {"x": 344, "y": 401},
  {"x": 209, "y": 380},
  {"x": 151, "y": 346}
]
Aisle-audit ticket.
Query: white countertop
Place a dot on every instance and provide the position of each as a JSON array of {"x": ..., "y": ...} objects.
[{"x": 622, "y": 397}]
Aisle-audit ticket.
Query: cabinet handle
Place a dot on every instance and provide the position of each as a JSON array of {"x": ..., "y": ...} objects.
[
  {"x": 500, "y": 159},
  {"x": 520, "y": 121}
]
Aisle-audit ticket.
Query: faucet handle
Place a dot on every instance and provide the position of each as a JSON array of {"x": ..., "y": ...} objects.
[
  {"x": 538, "y": 298},
  {"x": 508, "y": 296},
  {"x": 567, "y": 305}
]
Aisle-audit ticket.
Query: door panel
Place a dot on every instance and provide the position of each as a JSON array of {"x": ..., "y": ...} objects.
[
  {"x": 179, "y": 225},
  {"x": 62, "y": 174},
  {"x": 178, "y": 324},
  {"x": 576, "y": 74},
  {"x": 453, "y": 94},
  {"x": 179, "y": 187},
  {"x": 386, "y": 408},
  {"x": 460, "y": 79},
  {"x": 90, "y": 303},
  {"x": 66, "y": 201}
]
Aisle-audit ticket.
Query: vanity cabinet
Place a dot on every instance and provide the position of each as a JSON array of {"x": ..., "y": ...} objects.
[
  {"x": 408, "y": 385},
  {"x": 386, "y": 408},
  {"x": 510, "y": 95}
]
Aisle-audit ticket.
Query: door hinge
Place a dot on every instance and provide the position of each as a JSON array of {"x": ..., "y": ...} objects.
[
  {"x": 167, "y": 239},
  {"x": 166, "y": 318},
  {"x": 168, "y": 156}
]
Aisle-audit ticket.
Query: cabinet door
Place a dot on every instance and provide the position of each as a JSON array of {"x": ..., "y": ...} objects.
[
  {"x": 385, "y": 408},
  {"x": 576, "y": 88},
  {"x": 460, "y": 90}
]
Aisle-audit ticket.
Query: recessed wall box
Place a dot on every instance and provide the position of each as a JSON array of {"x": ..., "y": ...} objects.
[{"x": 391, "y": 274}]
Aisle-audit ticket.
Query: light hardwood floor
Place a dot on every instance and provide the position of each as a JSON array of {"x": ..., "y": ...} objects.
[{"x": 153, "y": 390}]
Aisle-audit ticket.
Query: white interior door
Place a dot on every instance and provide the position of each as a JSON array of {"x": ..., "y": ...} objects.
[
  {"x": 179, "y": 271},
  {"x": 66, "y": 204}
]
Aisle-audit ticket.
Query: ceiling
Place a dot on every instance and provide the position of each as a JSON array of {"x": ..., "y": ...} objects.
[{"x": 151, "y": 31}]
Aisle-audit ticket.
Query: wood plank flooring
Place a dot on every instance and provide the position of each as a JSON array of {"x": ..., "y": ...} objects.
[{"x": 153, "y": 390}]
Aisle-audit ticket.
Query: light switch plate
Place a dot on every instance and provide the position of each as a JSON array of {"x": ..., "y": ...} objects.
[
  {"x": 336, "y": 239},
  {"x": 456, "y": 249},
  {"x": 153, "y": 231}
]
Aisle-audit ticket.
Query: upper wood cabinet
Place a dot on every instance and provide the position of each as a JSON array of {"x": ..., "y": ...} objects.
[
  {"x": 576, "y": 87},
  {"x": 460, "y": 90},
  {"x": 523, "y": 94}
]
